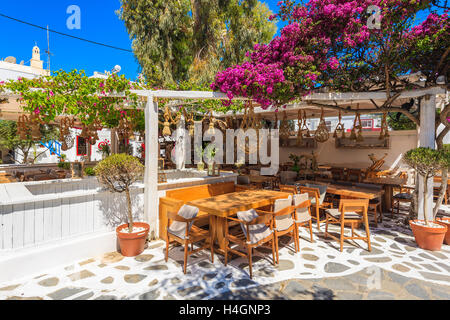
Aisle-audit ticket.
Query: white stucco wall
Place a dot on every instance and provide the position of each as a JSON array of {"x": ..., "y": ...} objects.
[{"x": 401, "y": 141}]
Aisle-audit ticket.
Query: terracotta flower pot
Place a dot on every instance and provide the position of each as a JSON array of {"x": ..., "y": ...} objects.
[
  {"x": 132, "y": 244},
  {"x": 428, "y": 238},
  {"x": 445, "y": 221}
]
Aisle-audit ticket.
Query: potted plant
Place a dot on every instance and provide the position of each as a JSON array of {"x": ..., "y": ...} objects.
[
  {"x": 104, "y": 149},
  {"x": 296, "y": 160},
  {"x": 200, "y": 165},
  {"x": 427, "y": 162},
  {"x": 117, "y": 173},
  {"x": 210, "y": 153}
]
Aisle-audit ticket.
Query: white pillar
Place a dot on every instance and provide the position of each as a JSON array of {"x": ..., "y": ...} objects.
[
  {"x": 427, "y": 139},
  {"x": 151, "y": 199},
  {"x": 180, "y": 150}
]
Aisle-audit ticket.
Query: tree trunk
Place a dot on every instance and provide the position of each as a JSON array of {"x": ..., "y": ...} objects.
[
  {"x": 442, "y": 191},
  {"x": 413, "y": 209},
  {"x": 130, "y": 214},
  {"x": 425, "y": 194}
]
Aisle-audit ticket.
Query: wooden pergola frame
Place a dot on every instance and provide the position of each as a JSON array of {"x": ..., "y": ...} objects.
[{"x": 331, "y": 101}]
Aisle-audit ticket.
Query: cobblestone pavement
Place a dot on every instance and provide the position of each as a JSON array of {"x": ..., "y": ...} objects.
[{"x": 395, "y": 269}]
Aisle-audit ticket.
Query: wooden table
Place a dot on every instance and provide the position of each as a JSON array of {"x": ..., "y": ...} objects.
[
  {"x": 259, "y": 180},
  {"x": 348, "y": 191},
  {"x": 388, "y": 184},
  {"x": 222, "y": 206}
]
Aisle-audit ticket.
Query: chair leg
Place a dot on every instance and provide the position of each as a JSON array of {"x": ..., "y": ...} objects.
[
  {"x": 211, "y": 244},
  {"x": 249, "y": 249},
  {"x": 342, "y": 236},
  {"x": 167, "y": 248},
  {"x": 226, "y": 252},
  {"x": 295, "y": 235},
  {"x": 375, "y": 213},
  {"x": 326, "y": 228},
  {"x": 273, "y": 251},
  {"x": 186, "y": 248},
  {"x": 276, "y": 249},
  {"x": 318, "y": 217},
  {"x": 368, "y": 234},
  {"x": 310, "y": 230}
]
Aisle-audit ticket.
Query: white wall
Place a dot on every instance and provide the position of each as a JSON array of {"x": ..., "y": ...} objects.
[{"x": 401, "y": 141}]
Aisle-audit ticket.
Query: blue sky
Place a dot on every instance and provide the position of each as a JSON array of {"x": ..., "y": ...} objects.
[{"x": 99, "y": 23}]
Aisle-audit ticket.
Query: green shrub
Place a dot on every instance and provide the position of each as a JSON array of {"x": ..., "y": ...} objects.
[
  {"x": 64, "y": 165},
  {"x": 117, "y": 173},
  {"x": 89, "y": 171}
]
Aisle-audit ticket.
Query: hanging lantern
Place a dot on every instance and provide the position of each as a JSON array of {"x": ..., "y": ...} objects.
[
  {"x": 340, "y": 129},
  {"x": 322, "y": 134}
]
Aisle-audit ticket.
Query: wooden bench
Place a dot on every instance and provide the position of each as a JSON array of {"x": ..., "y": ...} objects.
[{"x": 175, "y": 199}]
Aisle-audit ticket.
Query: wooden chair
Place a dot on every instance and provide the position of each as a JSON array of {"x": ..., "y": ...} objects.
[
  {"x": 337, "y": 173},
  {"x": 317, "y": 200},
  {"x": 302, "y": 207},
  {"x": 181, "y": 229},
  {"x": 353, "y": 175},
  {"x": 254, "y": 230},
  {"x": 351, "y": 211},
  {"x": 283, "y": 222},
  {"x": 374, "y": 204},
  {"x": 404, "y": 196},
  {"x": 288, "y": 189}
]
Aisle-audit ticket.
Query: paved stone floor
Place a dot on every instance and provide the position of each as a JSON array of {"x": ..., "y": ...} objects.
[{"x": 395, "y": 269}]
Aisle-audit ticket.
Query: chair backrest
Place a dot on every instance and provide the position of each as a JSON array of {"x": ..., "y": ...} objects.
[
  {"x": 287, "y": 177},
  {"x": 354, "y": 175},
  {"x": 283, "y": 213},
  {"x": 302, "y": 206},
  {"x": 243, "y": 180},
  {"x": 337, "y": 173},
  {"x": 288, "y": 188},
  {"x": 180, "y": 220},
  {"x": 313, "y": 193},
  {"x": 321, "y": 188},
  {"x": 358, "y": 206},
  {"x": 255, "y": 226}
]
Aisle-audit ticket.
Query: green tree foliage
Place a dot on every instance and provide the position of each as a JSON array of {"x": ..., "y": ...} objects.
[
  {"x": 9, "y": 139},
  {"x": 398, "y": 121},
  {"x": 190, "y": 40}
]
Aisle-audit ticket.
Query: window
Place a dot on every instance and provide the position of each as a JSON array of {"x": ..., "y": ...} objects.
[
  {"x": 81, "y": 146},
  {"x": 367, "y": 123},
  {"x": 328, "y": 124}
]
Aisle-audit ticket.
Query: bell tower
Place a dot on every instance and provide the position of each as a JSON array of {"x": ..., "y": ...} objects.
[{"x": 36, "y": 61}]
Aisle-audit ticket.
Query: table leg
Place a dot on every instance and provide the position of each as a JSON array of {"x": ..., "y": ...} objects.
[
  {"x": 388, "y": 193},
  {"x": 220, "y": 232}
]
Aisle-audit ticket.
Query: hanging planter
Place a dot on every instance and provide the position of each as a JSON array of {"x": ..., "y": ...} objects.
[
  {"x": 340, "y": 129},
  {"x": 321, "y": 134}
]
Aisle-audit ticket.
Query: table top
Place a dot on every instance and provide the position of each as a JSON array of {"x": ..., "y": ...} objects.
[
  {"x": 356, "y": 165},
  {"x": 230, "y": 203},
  {"x": 386, "y": 181},
  {"x": 349, "y": 191}
]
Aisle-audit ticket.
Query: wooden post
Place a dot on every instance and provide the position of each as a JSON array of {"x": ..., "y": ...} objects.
[
  {"x": 427, "y": 139},
  {"x": 151, "y": 166}
]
